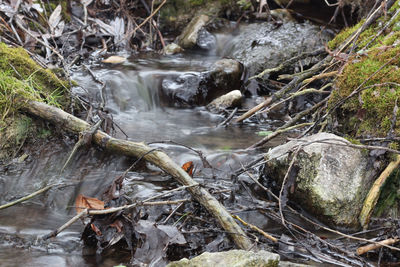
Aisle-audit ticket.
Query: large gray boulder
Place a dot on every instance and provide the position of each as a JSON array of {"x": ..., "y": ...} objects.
[
  {"x": 330, "y": 180},
  {"x": 264, "y": 45},
  {"x": 232, "y": 258}
]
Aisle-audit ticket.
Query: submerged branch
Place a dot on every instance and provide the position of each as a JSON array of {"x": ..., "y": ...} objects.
[{"x": 25, "y": 198}]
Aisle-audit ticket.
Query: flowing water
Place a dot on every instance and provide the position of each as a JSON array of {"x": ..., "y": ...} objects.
[{"x": 133, "y": 100}]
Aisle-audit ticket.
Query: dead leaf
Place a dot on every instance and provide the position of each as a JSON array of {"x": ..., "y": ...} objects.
[
  {"x": 95, "y": 229},
  {"x": 114, "y": 60},
  {"x": 55, "y": 18},
  {"x": 82, "y": 202},
  {"x": 188, "y": 167},
  {"x": 118, "y": 225}
]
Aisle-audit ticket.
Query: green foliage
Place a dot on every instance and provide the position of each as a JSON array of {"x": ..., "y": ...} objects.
[
  {"x": 264, "y": 133},
  {"x": 343, "y": 35}
]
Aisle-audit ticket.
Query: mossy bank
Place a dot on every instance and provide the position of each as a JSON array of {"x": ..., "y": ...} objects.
[
  {"x": 21, "y": 79},
  {"x": 373, "y": 71}
]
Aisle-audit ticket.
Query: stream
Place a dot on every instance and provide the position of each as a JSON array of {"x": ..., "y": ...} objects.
[{"x": 133, "y": 100}]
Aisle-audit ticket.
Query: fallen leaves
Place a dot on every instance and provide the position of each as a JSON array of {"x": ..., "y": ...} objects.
[
  {"x": 82, "y": 202},
  {"x": 188, "y": 167}
]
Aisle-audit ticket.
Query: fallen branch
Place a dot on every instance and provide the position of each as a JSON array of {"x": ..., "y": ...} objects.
[
  {"x": 158, "y": 158},
  {"x": 255, "y": 228},
  {"x": 66, "y": 225},
  {"x": 365, "y": 249},
  {"x": 288, "y": 63}
]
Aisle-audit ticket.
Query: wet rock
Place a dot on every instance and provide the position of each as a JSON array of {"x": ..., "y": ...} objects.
[
  {"x": 194, "y": 88},
  {"x": 195, "y": 34},
  {"x": 277, "y": 14},
  {"x": 265, "y": 45},
  {"x": 237, "y": 258},
  {"x": 231, "y": 99},
  {"x": 282, "y": 14},
  {"x": 205, "y": 40},
  {"x": 226, "y": 73},
  {"x": 187, "y": 89},
  {"x": 172, "y": 49},
  {"x": 330, "y": 181}
]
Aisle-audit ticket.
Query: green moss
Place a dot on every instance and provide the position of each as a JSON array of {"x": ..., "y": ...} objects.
[
  {"x": 17, "y": 63},
  {"x": 343, "y": 35},
  {"x": 22, "y": 79},
  {"x": 353, "y": 140},
  {"x": 378, "y": 73}
]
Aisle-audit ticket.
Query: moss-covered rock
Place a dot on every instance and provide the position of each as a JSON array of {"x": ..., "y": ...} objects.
[
  {"x": 374, "y": 72},
  {"x": 330, "y": 181}
]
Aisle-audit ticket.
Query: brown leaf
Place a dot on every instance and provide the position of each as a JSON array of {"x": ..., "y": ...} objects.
[
  {"x": 82, "y": 202},
  {"x": 188, "y": 167},
  {"x": 117, "y": 224}
]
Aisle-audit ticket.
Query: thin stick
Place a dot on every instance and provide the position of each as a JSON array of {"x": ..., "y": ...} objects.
[
  {"x": 278, "y": 132},
  {"x": 44, "y": 189},
  {"x": 128, "y": 35},
  {"x": 255, "y": 228},
  {"x": 365, "y": 249},
  {"x": 283, "y": 187},
  {"x": 227, "y": 120},
  {"x": 66, "y": 225},
  {"x": 172, "y": 213},
  {"x": 155, "y": 203},
  {"x": 320, "y": 76}
]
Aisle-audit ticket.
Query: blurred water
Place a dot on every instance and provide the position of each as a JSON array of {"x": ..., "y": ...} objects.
[{"x": 133, "y": 99}]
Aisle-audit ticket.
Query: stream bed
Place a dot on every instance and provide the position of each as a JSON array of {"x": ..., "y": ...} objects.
[{"x": 132, "y": 98}]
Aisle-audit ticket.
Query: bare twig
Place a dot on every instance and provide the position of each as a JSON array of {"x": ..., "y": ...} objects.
[
  {"x": 255, "y": 228},
  {"x": 66, "y": 225},
  {"x": 365, "y": 249},
  {"x": 38, "y": 192}
]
